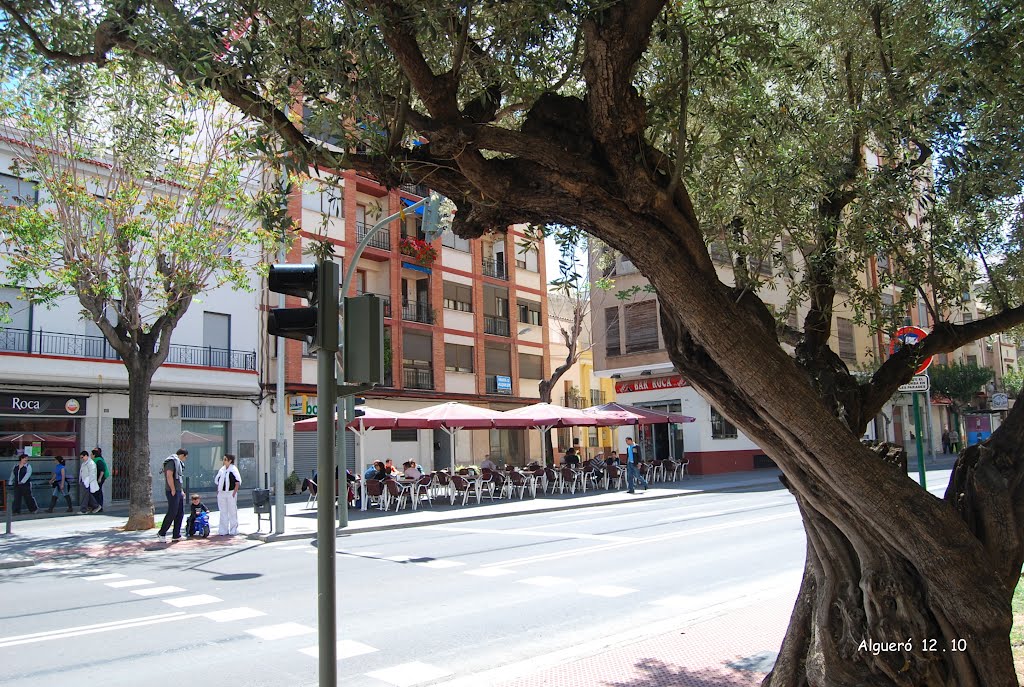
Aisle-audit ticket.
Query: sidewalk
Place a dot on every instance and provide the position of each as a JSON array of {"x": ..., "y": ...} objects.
[{"x": 31, "y": 537}]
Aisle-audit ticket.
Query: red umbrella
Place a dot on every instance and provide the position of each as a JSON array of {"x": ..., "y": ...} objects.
[
  {"x": 546, "y": 415},
  {"x": 452, "y": 416},
  {"x": 635, "y": 415}
]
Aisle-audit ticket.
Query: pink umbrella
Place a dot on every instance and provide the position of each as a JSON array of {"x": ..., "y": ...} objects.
[
  {"x": 634, "y": 415},
  {"x": 452, "y": 416},
  {"x": 372, "y": 418},
  {"x": 547, "y": 415}
]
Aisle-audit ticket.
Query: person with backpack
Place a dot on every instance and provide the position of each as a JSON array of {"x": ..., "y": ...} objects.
[
  {"x": 174, "y": 477},
  {"x": 228, "y": 480},
  {"x": 102, "y": 473},
  {"x": 632, "y": 472},
  {"x": 20, "y": 483},
  {"x": 60, "y": 485}
]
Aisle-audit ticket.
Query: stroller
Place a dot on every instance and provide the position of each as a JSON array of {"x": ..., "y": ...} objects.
[{"x": 201, "y": 527}]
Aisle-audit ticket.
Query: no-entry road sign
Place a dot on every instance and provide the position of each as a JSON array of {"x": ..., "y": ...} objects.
[{"x": 910, "y": 336}]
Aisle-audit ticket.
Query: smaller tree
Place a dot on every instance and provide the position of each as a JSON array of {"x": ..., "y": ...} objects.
[
  {"x": 143, "y": 205},
  {"x": 961, "y": 383}
]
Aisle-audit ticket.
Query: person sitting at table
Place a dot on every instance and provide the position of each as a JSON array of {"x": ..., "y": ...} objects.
[
  {"x": 411, "y": 471},
  {"x": 570, "y": 458},
  {"x": 389, "y": 467},
  {"x": 488, "y": 464},
  {"x": 611, "y": 459},
  {"x": 376, "y": 471}
]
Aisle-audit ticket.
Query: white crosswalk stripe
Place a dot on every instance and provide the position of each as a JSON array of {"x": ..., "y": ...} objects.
[
  {"x": 157, "y": 591},
  {"x": 187, "y": 601},
  {"x": 545, "y": 581},
  {"x": 281, "y": 631},
  {"x": 128, "y": 583},
  {"x": 232, "y": 614},
  {"x": 346, "y": 648},
  {"x": 408, "y": 674}
]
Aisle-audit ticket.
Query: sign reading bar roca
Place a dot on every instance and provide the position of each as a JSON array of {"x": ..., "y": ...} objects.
[
  {"x": 35, "y": 404},
  {"x": 631, "y": 385}
]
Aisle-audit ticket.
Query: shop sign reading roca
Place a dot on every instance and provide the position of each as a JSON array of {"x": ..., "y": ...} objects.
[{"x": 36, "y": 404}]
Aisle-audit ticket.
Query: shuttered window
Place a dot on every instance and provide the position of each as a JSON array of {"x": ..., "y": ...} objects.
[
  {"x": 642, "y": 327},
  {"x": 612, "y": 339},
  {"x": 458, "y": 296},
  {"x": 531, "y": 366},
  {"x": 458, "y": 358},
  {"x": 847, "y": 347}
]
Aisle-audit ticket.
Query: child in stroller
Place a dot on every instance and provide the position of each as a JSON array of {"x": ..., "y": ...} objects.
[{"x": 198, "y": 518}]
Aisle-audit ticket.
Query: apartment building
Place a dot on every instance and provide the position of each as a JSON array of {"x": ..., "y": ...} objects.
[
  {"x": 464, "y": 321},
  {"x": 63, "y": 388}
]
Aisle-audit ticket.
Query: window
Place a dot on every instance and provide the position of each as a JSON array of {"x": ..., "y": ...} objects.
[
  {"x": 216, "y": 339},
  {"x": 887, "y": 305},
  {"x": 16, "y": 191},
  {"x": 847, "y": 347},
  {"x": 528, "y": 260},
  {"x": 404, "y": 435},
  {"x": 15, "y": 334},
  {"x": 458, "y": 297},
  {"x": 450, "y": 240},
  {"x": 972, "y": 361},
  {"x": 325, "y": 199},
  {"x": 626, "y": 265},
  {"x": 612, "y": 345},
  {"x": 922, "y": 313},
  {"x": 529, "y": 312},
  {"x": 458, "y": 358},
  {"x": 642, "y": 326},
  {"x": 720, "y": 427},
  {"x": 968, "y": 317},
  {"x": 531, "y": 366},
  {"x": 883, "y": 262}
]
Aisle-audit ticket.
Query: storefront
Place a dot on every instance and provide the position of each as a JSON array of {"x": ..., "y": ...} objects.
[{"x": 42, "y": 426}]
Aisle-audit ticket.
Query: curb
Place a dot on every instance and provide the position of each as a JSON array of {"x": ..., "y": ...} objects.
[{"x": 291, "y": 536}]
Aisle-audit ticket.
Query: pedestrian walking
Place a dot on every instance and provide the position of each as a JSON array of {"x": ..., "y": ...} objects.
[
  {"x": 21, "y": 474},
  {"x": 954, "y": 441},
  {"x": 945, "y": 440},
  {"x": 87, "y": 477},
  {"x": 174, "y": 476},
  {"x": 60, "y": 485},
  {"x": 102, "y": 473},
  {"x": 632, "y": 473},
  {"x": 228, "y": 480}
]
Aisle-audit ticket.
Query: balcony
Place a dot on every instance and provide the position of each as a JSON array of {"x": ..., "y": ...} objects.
[
  {"x": 382, "y": 239},
  {"x": 414, "y": 311},
  {"x": 597, "y": 397},
  {"x": 494, "y": 268},
  {"x": 496, "y": 325},
  {"x": 96, "y": 348},
  {"x": 494, "y": 388},
  {"x": 572, "y": 402},
  {"x": 417, "y": 378},
  {"x": 420, "y": 190}
]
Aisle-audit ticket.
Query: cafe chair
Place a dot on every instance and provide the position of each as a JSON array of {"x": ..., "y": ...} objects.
[
  {"x": 442, "y": 483},
  {"x": 460, "y": 485},
  {"x": 553, "y": 479},
  {"x": 422, "y": 487},
  {"x": 396, "y": 493},
  {"x": 612, "y": 474},
  {"x": 375, "y": 494},
  {"x": 516, "y": 480},
  {"x": 570, "y": 478},
  {"x": 309, "y": 485}
]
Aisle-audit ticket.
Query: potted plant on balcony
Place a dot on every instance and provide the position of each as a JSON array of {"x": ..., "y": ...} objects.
[{"x": 420, "y": 251}]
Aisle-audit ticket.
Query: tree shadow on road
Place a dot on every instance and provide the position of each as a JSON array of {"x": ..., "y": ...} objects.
[{"x": 657, "y": 673}]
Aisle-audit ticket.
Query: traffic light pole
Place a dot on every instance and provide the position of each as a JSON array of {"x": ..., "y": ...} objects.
[{"x": 326, "y": 396}]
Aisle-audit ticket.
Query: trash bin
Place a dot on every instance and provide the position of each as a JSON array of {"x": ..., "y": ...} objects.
[{"x": 261, "y": 506}]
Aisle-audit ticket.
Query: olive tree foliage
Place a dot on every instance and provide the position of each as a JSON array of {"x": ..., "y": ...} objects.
[
  {"x": 814, "y": 135},
  {"x": 144, "y": 202}
]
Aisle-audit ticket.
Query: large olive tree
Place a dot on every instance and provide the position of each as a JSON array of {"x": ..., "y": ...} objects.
[{"x": 844, "y": 132}]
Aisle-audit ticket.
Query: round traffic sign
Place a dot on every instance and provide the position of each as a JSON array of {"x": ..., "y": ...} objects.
[{"x": 910, "y": 336}]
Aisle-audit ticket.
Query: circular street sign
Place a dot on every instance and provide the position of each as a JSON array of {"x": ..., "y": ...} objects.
[{"x": 910, "y": 336}]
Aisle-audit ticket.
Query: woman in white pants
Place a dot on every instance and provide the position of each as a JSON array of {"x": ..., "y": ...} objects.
[{"x": 228, "y": 480}]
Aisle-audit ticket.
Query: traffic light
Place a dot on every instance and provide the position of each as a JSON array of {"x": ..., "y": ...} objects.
[
  {"x": 316, "y": 324},
  {"x": 358, "y": 412},
  {"x": 364, "y": 340}
]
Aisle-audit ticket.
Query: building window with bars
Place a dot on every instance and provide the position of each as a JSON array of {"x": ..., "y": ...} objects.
[
  {"x": 642, "y": 327},
  {"x": 847, "y": 346},
  {"x": 720, "y": 427},
  {"x": 529, "y": 312}
]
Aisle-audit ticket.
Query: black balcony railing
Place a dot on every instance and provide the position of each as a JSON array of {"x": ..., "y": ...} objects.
[
  {"x": 417, "y": 378},
  {"x": 420, "y": 190},
  {"x": 39, "y": 342},
  {"x": 597, "y": 397},
  {"x": 414, "y": 311},
  {"x": 496, "y": 325},
  {"x": 495, "y": 268},
  {"x": 494, "y": 388},
  {"x": 382, "y": 239}
]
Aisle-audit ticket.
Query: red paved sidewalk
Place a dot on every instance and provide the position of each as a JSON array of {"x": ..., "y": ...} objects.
[{"x": 731, "y": 650}]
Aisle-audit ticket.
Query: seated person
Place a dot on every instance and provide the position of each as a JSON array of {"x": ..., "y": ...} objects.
[
  {"x": 195, "y": 509},
  {"x": 570, "y": 458},
  {"x": 389, "y": 467},
  {"x": 612, "y": 459},
  {"x": 411, "y": 471},
  {"x": 488, "y": 464},
  {"x": 376, "y": 471}
]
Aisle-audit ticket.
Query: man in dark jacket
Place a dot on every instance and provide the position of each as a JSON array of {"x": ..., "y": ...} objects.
[
  {"x": 20, "y": 482},
  {"x": 102, "y": 473}
]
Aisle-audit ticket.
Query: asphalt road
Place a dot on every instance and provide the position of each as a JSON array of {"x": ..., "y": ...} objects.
[{"x": 418, "y": 606}]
